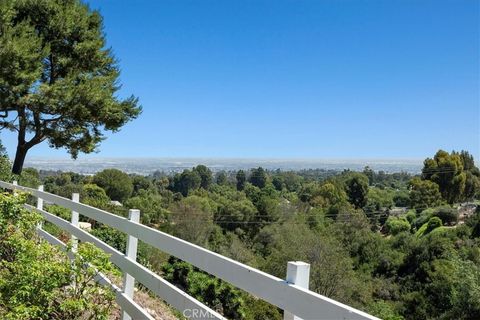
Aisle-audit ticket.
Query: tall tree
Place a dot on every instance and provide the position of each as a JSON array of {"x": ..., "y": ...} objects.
[
  {"x": 117, "y": 184},
  {"x": 424, "y": 194},
  {"x": 356, "y": 187},
  {"x": 186, "y": 181},
  {"x": 205, "y": 176},
  {"x": 222, "y": 178},
  {"x": 241, "y": 180},
  {"x": 455, "y": 174},
  {"x": 258, "y": 177},
  {"x": 58, "y": 81}
]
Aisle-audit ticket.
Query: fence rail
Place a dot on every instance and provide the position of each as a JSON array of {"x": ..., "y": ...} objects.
[{"x": 294, "y": 299}]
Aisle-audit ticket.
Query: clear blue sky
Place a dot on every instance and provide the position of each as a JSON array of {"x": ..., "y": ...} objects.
[{"x": 295, "y": 79}]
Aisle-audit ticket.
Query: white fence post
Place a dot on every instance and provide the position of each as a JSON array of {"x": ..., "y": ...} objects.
[
  {"x": 75, "y": 220},
  {"x": 131, "y": 252},
  {"x": 298, "y": 273},
  {"x": 40, "y": 206},
  {"x": 15, "y": 183}
]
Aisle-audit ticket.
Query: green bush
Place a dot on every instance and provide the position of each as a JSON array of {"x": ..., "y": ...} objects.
[
  {"x": 432, "y": 224},
  {"x": 39, "y": 281},
  {"x": 447, "y": 215},
  {"x": 401, "y": 199},
  {"x": 215, "y": 293},
  {"x": 411, "y": 216},
  {"x": 395, "y": 225}
]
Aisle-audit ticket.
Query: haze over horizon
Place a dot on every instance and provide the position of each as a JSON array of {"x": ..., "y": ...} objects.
[{"x": 149, "y": 165}]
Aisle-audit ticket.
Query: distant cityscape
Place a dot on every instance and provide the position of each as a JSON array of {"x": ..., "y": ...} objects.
[{"x": 146, "y": 166}]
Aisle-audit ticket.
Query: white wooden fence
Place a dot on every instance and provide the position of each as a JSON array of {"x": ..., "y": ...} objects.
[{"x": 291, "y": 295}]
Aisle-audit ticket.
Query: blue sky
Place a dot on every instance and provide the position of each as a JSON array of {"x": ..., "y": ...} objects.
[{"x": 294, "y": 79}]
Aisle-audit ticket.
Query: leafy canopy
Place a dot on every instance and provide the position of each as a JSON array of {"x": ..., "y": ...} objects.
[{"x": 58, "y": 80}]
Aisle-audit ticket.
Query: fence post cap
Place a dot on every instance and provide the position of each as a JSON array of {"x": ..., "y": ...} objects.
[
  {"x": 134, "y": 215},
  {"x": 299, "y": 263}
]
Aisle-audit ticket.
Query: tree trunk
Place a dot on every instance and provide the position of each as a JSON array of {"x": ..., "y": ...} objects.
[{"x": 19, "y": 159}]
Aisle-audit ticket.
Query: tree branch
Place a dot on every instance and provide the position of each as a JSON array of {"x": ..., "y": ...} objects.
[{"x": 38, "y": 137}]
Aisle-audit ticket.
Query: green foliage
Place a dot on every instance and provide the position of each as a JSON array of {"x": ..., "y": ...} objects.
[
  {"x": 451, "y": 172},
  {"x": 117, "y": 184},
  {"x": 29, "y": 178},
  {"x": 5, "y": 169},
  {"x": 241, "y": 178},
  {"x": 384, "y": 310},
  {"x": 260, "y": 310},
  {"x": 412, "y": 269},
  {"x": 193, "y": 219},
  {"x": 440, "y": 284},
  {"x": 222, "y": 179},
  {"x": 111, "y": 236},
  {"x": 186, "y": 182},
  {"x": 474, "y": 223},
  {"x": 151, "y": 207},
  {"x": 235, "y": 214},
  {"x": 258, "y": 177},
  {"x": 331, "y": 270},
  {"x": 94, "y": 195},
  {"x": 205, "y": 176},
  {"x": 209, "y": 290},
  {"x": 410, "y": 216},
  {"x": 356, "y": 187},
  {"x": 61, "y": 212},
  {"x": 38, "y": 281},
  {"x": 432, "y": 224},
  {"x": 424, "y": 194},
  {"x": 447, "y": 215},
  {"x": 378, "y": 199},
  {"x": 330, "y": 193},
  {"x": 395, "y": 225},
  {"x": 401, "y": 198},
  {"x": 382, "y": 179},
  {"x": 141, "y": 184},
  {"x": 63, "y": 184},
  {"x": 58, "y": 76}
]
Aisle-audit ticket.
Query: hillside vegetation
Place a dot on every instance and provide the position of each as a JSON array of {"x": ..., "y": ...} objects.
[
  {"x": 395, "y": 245},
  {"x": 38, "y": 281}
]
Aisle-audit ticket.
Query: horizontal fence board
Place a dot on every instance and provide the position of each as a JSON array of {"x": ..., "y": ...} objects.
[
  {"x": 165, "y": 290},
  {"x": 301, "y": 302},
  {"x": 125, "y": 302}
]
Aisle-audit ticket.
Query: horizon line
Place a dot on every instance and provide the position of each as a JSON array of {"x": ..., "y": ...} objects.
[{"x": 224, "y": 158}]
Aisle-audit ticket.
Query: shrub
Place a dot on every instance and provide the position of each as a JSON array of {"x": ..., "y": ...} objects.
[
  {"x": 261, "y": 310},
  {"x": 94, "y": 196},
  {"x": 447, "y": 215},
  {"x": 396, "y": 225},
  {"x": 39, "y": 281},
  {"x": 401, "y": 199},
  {"x": 433, "y": 223},
  {"x": 428, "y": 227},
  {"x": 411, "y": 216},
  {"x": 213, "y": 292}
]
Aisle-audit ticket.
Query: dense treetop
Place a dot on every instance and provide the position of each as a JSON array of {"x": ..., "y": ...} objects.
[{"x": 396, "y": 245}]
